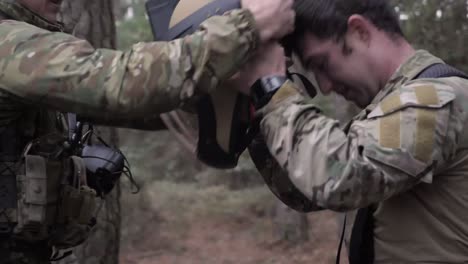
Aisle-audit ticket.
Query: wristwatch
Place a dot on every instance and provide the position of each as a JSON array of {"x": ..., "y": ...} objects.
[{"x": 264, "y": 88}]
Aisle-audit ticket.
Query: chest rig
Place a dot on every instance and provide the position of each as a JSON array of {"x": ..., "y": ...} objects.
[
  {"x": 43, "y": 186},
  {"x": 44, "y": 195}
]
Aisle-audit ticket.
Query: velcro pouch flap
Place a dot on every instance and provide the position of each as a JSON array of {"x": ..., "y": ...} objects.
[
  {"x": 36, "y": 177},
  {"x": 35, "y": 189}
]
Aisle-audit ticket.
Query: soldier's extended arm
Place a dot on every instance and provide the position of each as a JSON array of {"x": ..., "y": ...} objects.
[
  {"x": 60, "y": 71},
  {"x": 395, "y": 148}
]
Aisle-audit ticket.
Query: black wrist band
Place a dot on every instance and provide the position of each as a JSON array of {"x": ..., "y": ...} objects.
[{"x": 264, "y": 88}]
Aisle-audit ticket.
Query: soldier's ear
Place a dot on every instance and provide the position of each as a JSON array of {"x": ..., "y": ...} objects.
[{"x": 359, "y": 29}]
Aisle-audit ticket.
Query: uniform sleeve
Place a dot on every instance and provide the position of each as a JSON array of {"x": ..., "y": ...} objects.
[
  {"x": 402, "y": 142},
  {"x": 60, "y": 71}
]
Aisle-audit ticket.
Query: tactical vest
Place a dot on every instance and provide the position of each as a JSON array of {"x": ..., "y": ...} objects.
[{"x": 44, "y": 195}]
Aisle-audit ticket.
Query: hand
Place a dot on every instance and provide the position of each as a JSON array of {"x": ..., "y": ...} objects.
[
  {"x": 274, "y": 18},
  {"x": 270, "y": 60}
]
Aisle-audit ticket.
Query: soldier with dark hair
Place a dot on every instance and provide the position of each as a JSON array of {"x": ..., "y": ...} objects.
[
  {"x": 45, "y": 201},
  {"x": 403, "y": 159},
  {"x": 328, "y": 19}
]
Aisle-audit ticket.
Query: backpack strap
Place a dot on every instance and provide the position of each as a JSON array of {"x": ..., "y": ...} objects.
[{"x": 441, "y": 70}]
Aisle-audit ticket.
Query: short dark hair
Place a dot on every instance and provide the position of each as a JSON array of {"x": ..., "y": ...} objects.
[{"x": 329, "y": 18}]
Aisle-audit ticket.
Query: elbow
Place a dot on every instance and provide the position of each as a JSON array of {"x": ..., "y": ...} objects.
[
  {"x": 339, "y": 206},
  {"x": 341, "y": 199}
]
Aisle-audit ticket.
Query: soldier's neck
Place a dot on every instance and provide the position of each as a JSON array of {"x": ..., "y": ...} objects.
[{"x": 397, "y": 54}]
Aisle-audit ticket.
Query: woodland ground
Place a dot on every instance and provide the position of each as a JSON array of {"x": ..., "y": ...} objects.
[
  {"x": 217, "y": 226},
  {"x": 185, "y": 213}
]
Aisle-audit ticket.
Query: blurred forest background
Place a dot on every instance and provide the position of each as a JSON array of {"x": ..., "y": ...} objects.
[{"x": 186, "y": 212}]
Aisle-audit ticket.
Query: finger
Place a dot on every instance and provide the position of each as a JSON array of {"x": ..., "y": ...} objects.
[
  {"x": 281, "y": 48},
  {"x": 245, "y": 3},
  {"x": 288, "y": 3},
  {"x": 272, "y": 47},
  {"x": 292, "y": 16},
  {"x": 280, "y": 51},
  {"x": 291, "y": 21}
]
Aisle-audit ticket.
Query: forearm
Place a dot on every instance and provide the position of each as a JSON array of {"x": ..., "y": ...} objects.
[
  {"x": 326, "y": 164},
  {"x": 59, "y": 71}
]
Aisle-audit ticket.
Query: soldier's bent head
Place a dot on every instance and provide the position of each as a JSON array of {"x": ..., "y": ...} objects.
[{"x": 348, "y": 44}]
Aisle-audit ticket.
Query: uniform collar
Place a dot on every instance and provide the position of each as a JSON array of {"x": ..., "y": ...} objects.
[
  {"x": 16, "y": 11},
  {"x": 411, "y": 68}
]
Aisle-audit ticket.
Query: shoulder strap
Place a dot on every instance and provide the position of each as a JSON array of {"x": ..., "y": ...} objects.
[
  {"x": 71, "y": 118},
  {"x": 441, "y": 70}
]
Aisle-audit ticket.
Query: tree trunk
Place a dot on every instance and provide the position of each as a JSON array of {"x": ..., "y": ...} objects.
[{"x": 94, "y": 21}]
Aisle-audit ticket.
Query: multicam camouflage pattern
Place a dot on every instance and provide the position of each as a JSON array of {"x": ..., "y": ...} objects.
[
  {"x": 15, "y": 10},
  {"x": 406, "y": 151},
  {"x": 62, "y": 72},
  {"x": 43, "y": 70},
  {"x": 304, "y": 142}
]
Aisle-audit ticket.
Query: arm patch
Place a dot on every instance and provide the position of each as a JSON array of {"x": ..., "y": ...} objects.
[
  {"x": 408, "y": 126},
  {"x": 414, "y": 95},
  {"x": 425, "y": 134}
]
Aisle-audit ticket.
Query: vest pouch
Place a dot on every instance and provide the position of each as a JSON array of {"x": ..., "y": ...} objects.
[
  {"x": 32, "y": 200},
  {"x": 76, "y": 210},
  {"x": 54, "y": 202},
  {"x": 76, "y": 217}
]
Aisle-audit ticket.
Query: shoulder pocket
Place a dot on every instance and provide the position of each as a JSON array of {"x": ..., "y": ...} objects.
[
  {"x": 418, "y": 94},
  {"x": 408, "y": 125}
]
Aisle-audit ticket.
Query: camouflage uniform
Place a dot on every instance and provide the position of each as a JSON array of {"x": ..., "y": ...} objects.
[
  {"x": 406, "y": 152},
  {"x": 43, "y": 70},
  {"x": 60, "y": 71}
]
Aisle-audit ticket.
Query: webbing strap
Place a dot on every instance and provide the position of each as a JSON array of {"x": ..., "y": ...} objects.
[{"x": 441, "y": 70}]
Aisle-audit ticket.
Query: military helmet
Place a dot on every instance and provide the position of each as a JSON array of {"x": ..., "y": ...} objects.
[
  {"x": 172, "y": 19},
  {"x": 185, "y": 8},
  {"x": 221, "y": 134}
]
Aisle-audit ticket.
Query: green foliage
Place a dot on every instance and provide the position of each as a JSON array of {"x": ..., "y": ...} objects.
[
  {"x": 135, "y": 29},
  {"x": 439, "y": 26}
]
